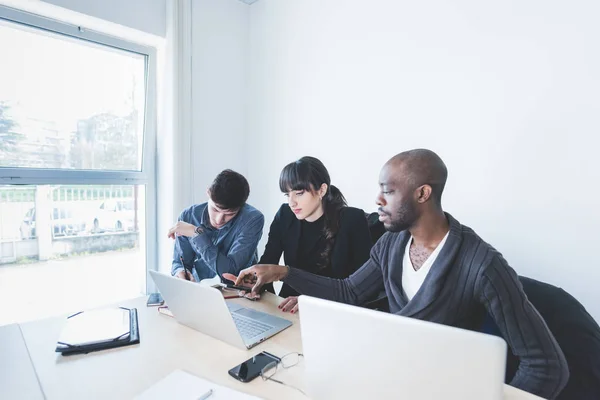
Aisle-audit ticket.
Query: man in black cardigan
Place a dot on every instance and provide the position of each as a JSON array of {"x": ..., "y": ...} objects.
[{"x": 467, "y": 277}]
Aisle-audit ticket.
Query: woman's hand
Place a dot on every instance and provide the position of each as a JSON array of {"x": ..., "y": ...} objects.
[{"x": 290, "y": 304}]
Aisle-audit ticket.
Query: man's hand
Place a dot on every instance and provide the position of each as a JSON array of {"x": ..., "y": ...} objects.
[
  {"x": 290, "y": 304},
  {"x": 258, "y": 275},
  {"x": 182, "y": 229},
  {"x": 182, "y": 274}
]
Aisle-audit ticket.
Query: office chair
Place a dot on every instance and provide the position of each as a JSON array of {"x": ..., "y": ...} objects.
[{"x": 576, "y": 332}]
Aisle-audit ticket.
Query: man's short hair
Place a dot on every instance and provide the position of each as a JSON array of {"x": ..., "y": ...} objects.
[{"x": 229, "y": 190}]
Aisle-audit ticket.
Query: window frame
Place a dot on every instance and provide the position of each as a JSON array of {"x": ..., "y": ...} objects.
[
  {"x": 147, "y": 175},
  {"x": 40, "y": 176}
]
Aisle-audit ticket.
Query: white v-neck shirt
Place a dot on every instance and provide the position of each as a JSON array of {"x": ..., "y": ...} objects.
[{"x": 413, "y": 280}]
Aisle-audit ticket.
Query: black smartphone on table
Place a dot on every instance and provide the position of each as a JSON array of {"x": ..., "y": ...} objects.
[
  {"x": 155, "y": 299},
  {"x": 244, "y": 288},
  {"x": 252, "y": 367}
]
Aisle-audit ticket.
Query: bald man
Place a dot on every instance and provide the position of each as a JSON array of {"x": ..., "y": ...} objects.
[{"x": 435, "y": 269}]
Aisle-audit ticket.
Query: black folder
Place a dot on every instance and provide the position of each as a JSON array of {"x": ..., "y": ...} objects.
[{"x": 125, "y": 336}]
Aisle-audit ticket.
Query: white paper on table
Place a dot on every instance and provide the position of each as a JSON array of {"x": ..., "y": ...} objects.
[
  {"x": 185, "y": 386},
  {"x": 95, "y": 326},
  {"x": 212, "y": 282}
]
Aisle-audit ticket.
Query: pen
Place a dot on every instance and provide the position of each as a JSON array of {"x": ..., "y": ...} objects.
[
  {"x": 185, "y": 273},
  {"x": 206, "y": 395}
]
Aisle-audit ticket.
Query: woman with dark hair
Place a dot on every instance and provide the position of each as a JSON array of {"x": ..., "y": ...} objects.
[{"x": 316, "y": 230}]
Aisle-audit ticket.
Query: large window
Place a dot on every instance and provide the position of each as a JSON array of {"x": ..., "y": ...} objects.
[
  {"x": 69, "y": 104},
  {"x": 77, "y": 160}
]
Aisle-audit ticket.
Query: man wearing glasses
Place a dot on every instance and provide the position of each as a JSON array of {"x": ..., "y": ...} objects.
[{"x": 435, "y": 269}]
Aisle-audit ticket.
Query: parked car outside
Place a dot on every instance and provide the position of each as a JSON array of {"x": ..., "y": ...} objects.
[
  {"x": 114, "y": 215},
  {"x": 27, "y": 228},
  {"x": 63, "y": 219}
]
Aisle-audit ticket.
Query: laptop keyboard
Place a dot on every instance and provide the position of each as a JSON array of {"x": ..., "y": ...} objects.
[{"x": 249, "y": 328}]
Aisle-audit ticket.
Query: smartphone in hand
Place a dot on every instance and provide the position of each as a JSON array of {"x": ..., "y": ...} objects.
[{"x": 244, "y": 288}]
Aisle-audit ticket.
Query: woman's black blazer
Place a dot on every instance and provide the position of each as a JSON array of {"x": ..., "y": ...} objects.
[{"x": 350, "y": 251}]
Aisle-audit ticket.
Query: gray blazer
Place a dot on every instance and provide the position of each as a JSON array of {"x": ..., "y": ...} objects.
[{"x": 468, "y": 279}]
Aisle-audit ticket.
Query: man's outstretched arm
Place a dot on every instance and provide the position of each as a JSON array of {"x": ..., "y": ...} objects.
[{"x": 355, "y": 289}]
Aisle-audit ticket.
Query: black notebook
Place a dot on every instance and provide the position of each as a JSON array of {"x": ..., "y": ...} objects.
[{"x": 95, "y": 330}]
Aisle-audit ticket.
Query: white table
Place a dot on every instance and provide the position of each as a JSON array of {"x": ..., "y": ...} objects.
[
  {"x": 165, "y": 346},
  {"x": 17, "y": 374}
]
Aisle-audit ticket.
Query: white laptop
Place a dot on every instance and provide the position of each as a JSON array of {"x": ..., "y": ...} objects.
[
  {"x": 203, "y": 308},
  {"x": 355, "y": 353}
]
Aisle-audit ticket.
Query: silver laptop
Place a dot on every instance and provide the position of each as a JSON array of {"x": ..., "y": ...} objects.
[
  {"x": 203, "y": 308},
  {"x": 354, "y": 353}
]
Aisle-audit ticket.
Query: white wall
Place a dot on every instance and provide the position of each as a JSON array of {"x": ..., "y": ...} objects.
[
  {"x": 506, "y": 93},
  {"x": 145, "y": 15},
  {"x": 219, "y": 86}
]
